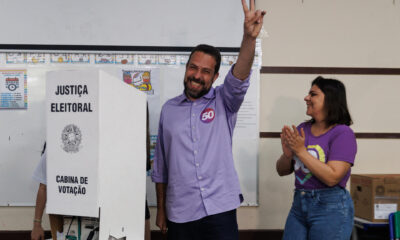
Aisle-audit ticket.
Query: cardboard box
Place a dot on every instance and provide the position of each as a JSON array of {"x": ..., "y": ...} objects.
[{"x": 375, "y": 196}]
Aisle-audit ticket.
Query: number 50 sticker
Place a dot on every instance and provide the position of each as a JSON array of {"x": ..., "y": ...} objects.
[{"x": 207, "y": 115}]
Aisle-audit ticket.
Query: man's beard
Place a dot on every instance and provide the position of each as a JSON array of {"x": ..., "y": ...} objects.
[{"x": 195, "y": 93}]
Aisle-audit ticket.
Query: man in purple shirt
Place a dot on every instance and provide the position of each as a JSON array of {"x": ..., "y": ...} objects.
[{"x": 197, "y": 186}]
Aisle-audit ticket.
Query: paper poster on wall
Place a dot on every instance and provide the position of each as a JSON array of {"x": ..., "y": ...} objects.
[
  {"x": 124, "y": 58},
  {"x": 228, "y": 60},
  {"x": 167, "y": 59},
  {"x": 59, "y": 58},
  {"x": 140, "y": 79},
  {"x": 147, "y": 80},
  {"x": 247, "y": 124},
  {"x": 247, "y": 120},
  {"x": 15, "y": 58},
  {"x": 104, "y": 58},
  {"x": 34, "y": 58},
  {"x": 13, "y": 89},
  {"x": 147, "y": 59},
  {"x": 153, "y": 141},
  {"x": 80, "y": 58},
  {"x": 183, "y": 59}
]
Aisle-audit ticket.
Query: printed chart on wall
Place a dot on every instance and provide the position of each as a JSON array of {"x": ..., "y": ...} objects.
[{"x": 13, "y": 89}]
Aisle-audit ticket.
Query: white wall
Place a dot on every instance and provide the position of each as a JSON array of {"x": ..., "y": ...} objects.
[
  {"x": 337, "y": 33},
  {"x": 326, "y": 33}
]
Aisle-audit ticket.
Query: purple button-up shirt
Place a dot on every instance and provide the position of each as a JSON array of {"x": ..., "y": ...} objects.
[{"x": 194, "y": 152}]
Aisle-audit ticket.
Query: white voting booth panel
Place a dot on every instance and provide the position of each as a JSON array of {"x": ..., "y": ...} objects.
[{"x": 96, "y": 150}]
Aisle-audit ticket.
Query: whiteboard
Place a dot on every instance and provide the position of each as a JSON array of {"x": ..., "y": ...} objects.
[
  {"x": 22, "y": 133},
  {"x": 122, "y": 22}
]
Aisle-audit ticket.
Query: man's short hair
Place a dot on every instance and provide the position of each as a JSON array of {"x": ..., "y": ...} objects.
[{"x": 210, "y": 50}]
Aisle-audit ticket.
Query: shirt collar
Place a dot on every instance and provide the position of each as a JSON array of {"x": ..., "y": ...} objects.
[{"x": 209, "y": 95}]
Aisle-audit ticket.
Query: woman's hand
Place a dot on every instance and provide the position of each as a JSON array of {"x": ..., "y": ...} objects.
[
  {"x": 284, "y": 165},
  {"x": 285, "y": 148},
  {"x": 293, "y": 139}
]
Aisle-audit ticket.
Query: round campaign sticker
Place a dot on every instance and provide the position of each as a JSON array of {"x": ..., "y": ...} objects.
[{"x": 207, "y": 115}]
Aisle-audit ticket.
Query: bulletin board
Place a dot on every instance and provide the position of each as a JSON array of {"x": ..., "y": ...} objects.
[{"x": 23, "y": 129}]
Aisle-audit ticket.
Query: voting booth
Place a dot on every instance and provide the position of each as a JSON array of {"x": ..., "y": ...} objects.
[{"x": 96, "y": 150}]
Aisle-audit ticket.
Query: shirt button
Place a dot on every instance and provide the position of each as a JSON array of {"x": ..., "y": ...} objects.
[
  {"x": 193, "y": 114},
  {"x": 195, "y": 151},
  {"x": 200, "y": 177},
  {"x": 193, "y": 127},
  {"x": 194, "y": 140},
  {"x": 194, "y": 104},
  {"x": 202, "y": 189},
  {"x": 197, "y": 164}
]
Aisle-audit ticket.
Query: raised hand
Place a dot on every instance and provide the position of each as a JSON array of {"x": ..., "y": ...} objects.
[{"x": 253, "y": 19}]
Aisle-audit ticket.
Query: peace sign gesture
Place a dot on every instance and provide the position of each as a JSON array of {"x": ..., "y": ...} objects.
[{"x": 253, "y": 19}]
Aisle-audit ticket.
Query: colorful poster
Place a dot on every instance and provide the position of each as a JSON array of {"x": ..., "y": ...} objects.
[
  {"x": 59, "y": 58},
  {"x": 124, "y": 59},
  {"x": 167, "y": 59},
  {"x": 140, "y": 79},
  {"x": 229, "y": 60},
  {"x": 147, "y": 80},
  {"x": 153, "y": 141},
  {"x": 147, "y": 59},
  {"x": 15, "y": 58},
  {"x": 183, "y": 59},
  {"x": 104, "y": 58},
  {"x": 257, "y": 61},
  {"x": 80, "y": 58},
  {"x": 13, "y": 89},
  {"x": 35, "y": 58}
]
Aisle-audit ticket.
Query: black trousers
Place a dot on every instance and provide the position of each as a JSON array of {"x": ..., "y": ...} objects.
[{"x": 222, "y": 226}]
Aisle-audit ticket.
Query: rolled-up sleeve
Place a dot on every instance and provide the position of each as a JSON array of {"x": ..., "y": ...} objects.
[
  {"x": 234, "y": 91},
  {"x": 160, "y": 173}
]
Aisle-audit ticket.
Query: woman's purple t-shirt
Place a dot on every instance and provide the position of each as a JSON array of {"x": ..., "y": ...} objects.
[{"x": 338, "y": 144}]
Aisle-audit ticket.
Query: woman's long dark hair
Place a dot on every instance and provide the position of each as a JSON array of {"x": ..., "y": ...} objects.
[{"x": 335, "y": 103}]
